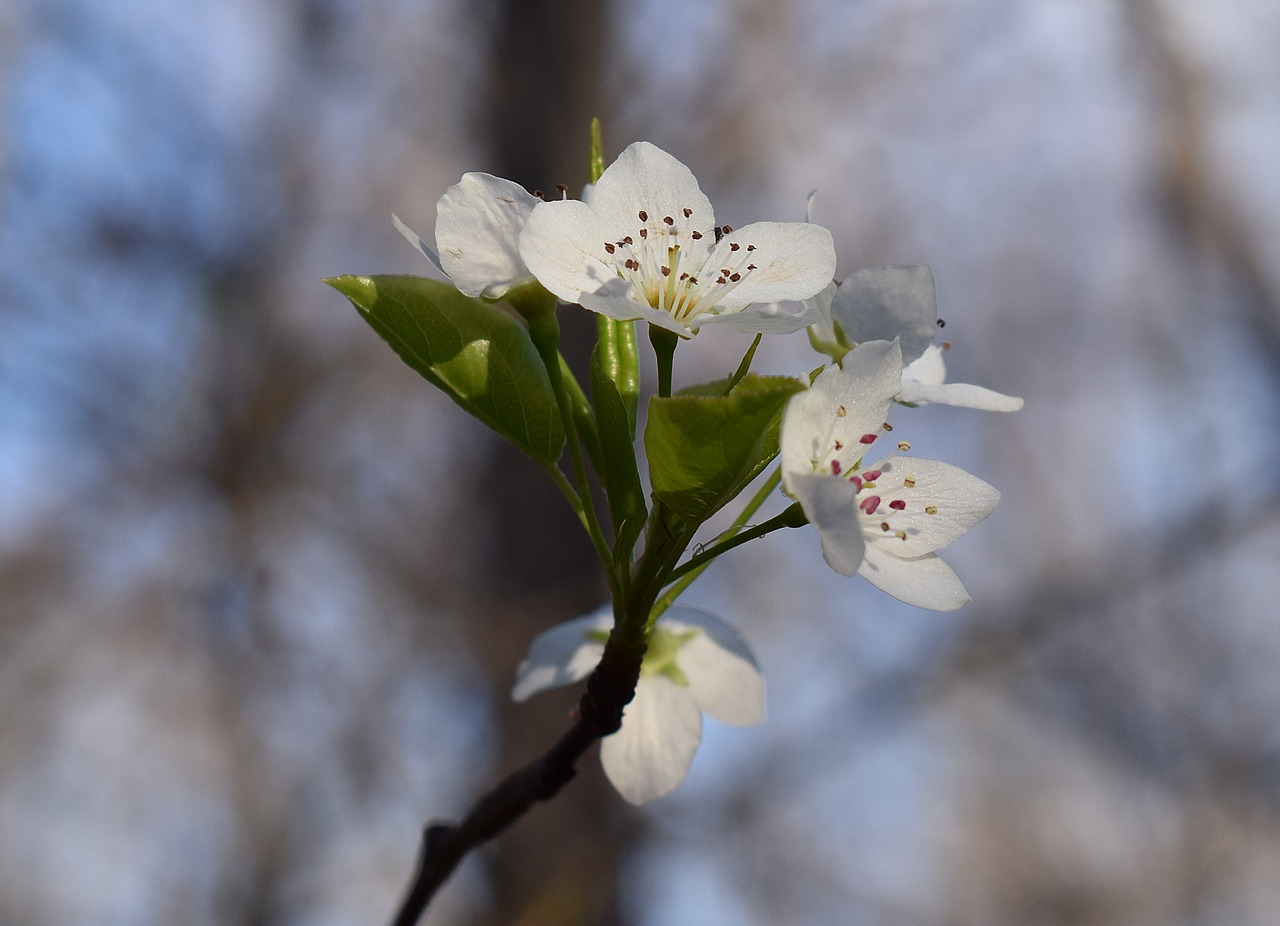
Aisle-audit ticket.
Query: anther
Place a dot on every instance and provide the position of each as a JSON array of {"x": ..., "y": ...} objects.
[
  {"x": 644, "y": 233},
  {"x": 835, "y": 467},
  {"x": 726, "y": 228},
  {"x": 608, "y": 248},
  {"x": 884, "y": 526},
  {"x": 871, "y": 474},
  {"x": 930, "y": 509},
  {"x": 687, "y": 212},
  {"x": 909, "y": 482},
  {"x": 668, "y": 220},
  {"x": 946, "y": 345},
  {"x": 735, "y": 246},
  {"x": 839, "y": 445},
  {"x": 870, "y": 504},
  {"x": 942, "y": 323},
  {"x": 904, "y": 446},
  {"x": 751, "y": 247},
  {"x": 628, "y": 240},
  {"x": 666, "y": 271},
  {"x": 867, "y": 439},
  {"x": 735, "y": 277},
  {"x": 696, "y": 236},
  {"x": 538, "y": 193},
  {"x": 887, "y": 426},
  {"x": 644, "y": 216},
  {"x": 841, "y": 412},
  {"x": 561, "y": 189},
  {"x": 898, "y": 504},
  {"x": 751, "y": 266}
]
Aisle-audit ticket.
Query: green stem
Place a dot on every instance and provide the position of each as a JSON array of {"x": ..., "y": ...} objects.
[
  {"x": 544, "y": 331},
  {"x": 685, "y": 580},
  {"x": 793, "y": 516},
  {"x": 664, "y": 349}
]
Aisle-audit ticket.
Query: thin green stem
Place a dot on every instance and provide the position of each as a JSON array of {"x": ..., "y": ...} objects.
[
  {"x": 700, "y": 560},
  {"x": 544, "y": 330},
  {"x": 686, "y": 579}
]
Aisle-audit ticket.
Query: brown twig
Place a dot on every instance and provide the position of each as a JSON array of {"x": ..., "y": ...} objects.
[{"x": 610, "y": 687}]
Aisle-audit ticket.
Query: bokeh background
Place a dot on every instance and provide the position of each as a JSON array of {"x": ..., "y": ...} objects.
[{"x": 263, "y": 591}]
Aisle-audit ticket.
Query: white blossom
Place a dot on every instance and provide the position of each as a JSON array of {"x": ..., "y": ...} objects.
[
  {"x": 883, "y": 303},
  {"x": 696, "y": 663},
  {"x": 645, "y": 245},
  {"x": 478, "y": 226},
  {"x": 882, "y": 521}
]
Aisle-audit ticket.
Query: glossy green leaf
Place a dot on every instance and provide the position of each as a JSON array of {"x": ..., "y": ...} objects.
[
  {"x": 473, "y": 351},
  {"x": 704, "y": 449}
]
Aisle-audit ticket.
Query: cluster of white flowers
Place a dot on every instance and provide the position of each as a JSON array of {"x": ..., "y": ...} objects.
[{"x": 643, "y": 244}]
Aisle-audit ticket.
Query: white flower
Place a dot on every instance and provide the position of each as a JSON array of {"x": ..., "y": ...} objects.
[
  {"x": 695, "y": 663},
  {"x": 883, "y": 303},
  {"x": 646, "y": 246},
  {"x": 478, "y": 225},
  {"x": 883, "y": 521}
]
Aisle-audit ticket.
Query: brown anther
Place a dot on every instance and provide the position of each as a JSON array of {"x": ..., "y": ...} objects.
[
  {"x": 884, "y": 526},
  {"x": 930, "y": 509},
  {"x": 561, "y": 188},
  {"x": 687, "y": 212},
  {"x": 693, "y": 280},
  {"x": 841, "y": 412},
  {"x": 735, "y": 246},
  {"x": 644, "y": 216},
  {"x": 904, "y": 446},
  {"x": 909, "y": 482},
  {"x": 644, "y": 233},
  {"x": 683, "y": 277},
  {"x": 668, "y": 220},
  {"x": 946, "y": 345},
  {"x": 726, "y": 229},
  {"x": 538, "y": 193},
  {"x": 721, "y": 280},
  {"x": 751, "y": 247},
  {"x": 666, "y": 271},
  {"x": 887, "y": 426},
  {"x": 628, "y": 240},
  {"x": 942, "y": 323},
  {"x": 735, "y": 277},
  {"x": 609, "y": 249},
  {"x": 751, "y": 267},
  {"x": 696, "y": 236},
  {"x": 839, "y": 445}
]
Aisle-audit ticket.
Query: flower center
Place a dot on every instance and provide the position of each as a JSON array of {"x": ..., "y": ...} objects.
[{"x": 653, "y": 260}]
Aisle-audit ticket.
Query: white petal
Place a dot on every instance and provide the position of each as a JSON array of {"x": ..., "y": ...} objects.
[
  {"x": 562, "y": 655},
  {"x": 924, "y": 581},
  {"x": 822, "y": 333},
  {"x": 883, "y": 303},
  {"x": 724, "y": 677},
  {"x": 644, "y": 177},
  {"x": 770, "y": 317},
  {"x": 478, "y": 224},
  {"x": 961, "y": 395},
  {"x": 651, "y": 754},
  {"x": 793, "y": 261},
  {"x": 925, "y": 380},
  {"x": 959, "y": 499},
  {"x": 829, "y": 503},
  {"x": 563, "y": 246},
  {"x": 421, "y": 246},
  {"x": 863, "y": 386}
]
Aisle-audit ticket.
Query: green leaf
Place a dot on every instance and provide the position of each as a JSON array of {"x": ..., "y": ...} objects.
[
  {"x": 703, "y": 450},
  {"x": 617, "y": 457},
  {"x": 473, "y": 351}
]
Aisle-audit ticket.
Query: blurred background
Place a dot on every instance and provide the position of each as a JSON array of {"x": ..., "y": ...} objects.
[{"x": 263, "y": 591}]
